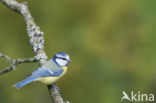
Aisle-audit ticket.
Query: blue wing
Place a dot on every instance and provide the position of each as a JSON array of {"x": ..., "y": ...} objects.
[
  {"x": 44, "y": 72},
  {"x": 37, "y": 74},
  {"x": 26, "y": 81},
  {"x": 48, "y": 70}
]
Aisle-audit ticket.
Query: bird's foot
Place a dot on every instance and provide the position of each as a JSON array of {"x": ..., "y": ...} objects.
[{"x": 53, "y": 87}]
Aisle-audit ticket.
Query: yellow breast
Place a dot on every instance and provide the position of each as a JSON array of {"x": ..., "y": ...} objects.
[{"x": 50, "y": 80}]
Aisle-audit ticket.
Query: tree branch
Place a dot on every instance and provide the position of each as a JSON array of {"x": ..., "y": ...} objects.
[
  {"x": 36, "y": 36},
  {"x": 36, "y": 41},
  {"x": 14, "y": 62}
]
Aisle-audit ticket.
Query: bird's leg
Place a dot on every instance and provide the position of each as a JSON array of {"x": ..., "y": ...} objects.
[{"x": 53, "y": 87}]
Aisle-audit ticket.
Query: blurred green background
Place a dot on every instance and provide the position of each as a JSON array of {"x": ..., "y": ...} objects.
[{"x": 111, "y": 44}]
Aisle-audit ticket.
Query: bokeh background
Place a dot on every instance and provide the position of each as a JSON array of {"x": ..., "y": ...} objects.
[{"x": 111, "y": 44}]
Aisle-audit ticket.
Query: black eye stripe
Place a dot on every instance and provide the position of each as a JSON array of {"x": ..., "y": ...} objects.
[{"x": 63, "y": 58}]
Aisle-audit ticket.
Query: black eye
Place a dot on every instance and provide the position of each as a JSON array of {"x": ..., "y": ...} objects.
[{"x": 64, "y": 58}]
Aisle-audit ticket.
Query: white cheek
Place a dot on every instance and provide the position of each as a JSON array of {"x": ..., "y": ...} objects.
[{"x": 61, "y": 62}]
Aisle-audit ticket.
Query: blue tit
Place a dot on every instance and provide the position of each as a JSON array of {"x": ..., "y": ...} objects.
[{"x": 49, "y": 72}]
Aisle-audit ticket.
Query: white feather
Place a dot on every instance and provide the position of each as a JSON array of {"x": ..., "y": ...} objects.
[{"x": 62, "y": 62}]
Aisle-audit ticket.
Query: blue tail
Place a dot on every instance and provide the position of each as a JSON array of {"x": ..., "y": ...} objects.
[{"x": 24, "y": 82}]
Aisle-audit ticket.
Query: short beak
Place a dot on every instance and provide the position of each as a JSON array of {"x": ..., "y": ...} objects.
[{"x": 69, "y": 60}]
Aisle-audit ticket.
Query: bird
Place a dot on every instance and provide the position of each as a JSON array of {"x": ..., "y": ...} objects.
[{"x": 49, "y": 72}]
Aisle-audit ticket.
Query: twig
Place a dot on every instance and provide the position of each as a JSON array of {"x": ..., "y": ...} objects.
[
  {"x": 14, "y": 62},
  {"x": 36, "y": 41}
]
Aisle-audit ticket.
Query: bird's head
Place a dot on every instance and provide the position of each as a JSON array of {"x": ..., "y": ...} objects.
[{"x": 61, "y": 59}]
